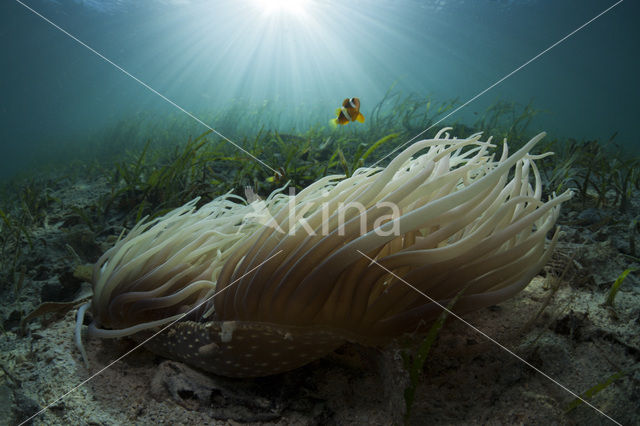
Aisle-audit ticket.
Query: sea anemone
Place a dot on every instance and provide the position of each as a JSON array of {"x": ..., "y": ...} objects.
[{"x": 253, "y": 289}]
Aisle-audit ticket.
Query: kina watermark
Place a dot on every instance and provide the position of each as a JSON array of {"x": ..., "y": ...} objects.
[{"x": 323, "y": 216}]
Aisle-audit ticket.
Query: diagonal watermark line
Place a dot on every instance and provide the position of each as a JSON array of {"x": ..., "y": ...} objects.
[
  {"x": 500, "y": 80},
  {"x": 270, "y": 168},
  {"x": 55, "y": 401},
  {"x": 142, "y": 83},
  {"x": 485, "y": 335}
]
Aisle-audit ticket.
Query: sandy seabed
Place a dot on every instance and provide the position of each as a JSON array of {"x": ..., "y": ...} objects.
[{"x": 467, "y": 379}]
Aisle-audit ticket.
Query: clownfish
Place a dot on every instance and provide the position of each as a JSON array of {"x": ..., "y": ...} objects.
[
  {"x": 279, "y": 177},
  {"x": 350, "y": 111}
]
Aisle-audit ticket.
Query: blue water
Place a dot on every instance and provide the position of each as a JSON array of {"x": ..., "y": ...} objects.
[{"x": 294, "y": 63}]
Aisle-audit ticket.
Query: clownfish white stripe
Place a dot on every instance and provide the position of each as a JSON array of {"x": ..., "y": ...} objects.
[{"x": 346, "y": 114}]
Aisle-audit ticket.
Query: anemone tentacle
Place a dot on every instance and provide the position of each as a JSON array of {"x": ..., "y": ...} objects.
[{"x": 445, "y": 215}]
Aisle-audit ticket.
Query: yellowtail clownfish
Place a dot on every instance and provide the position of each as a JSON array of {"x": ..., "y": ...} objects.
[
  {"x": 350, "y": 111},
  {"x": 279, "y": 176}
]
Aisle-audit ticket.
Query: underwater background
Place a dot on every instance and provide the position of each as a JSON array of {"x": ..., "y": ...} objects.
[
  {"x": 116, "y": 110},
  {"x": 285, "y": 65}
]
